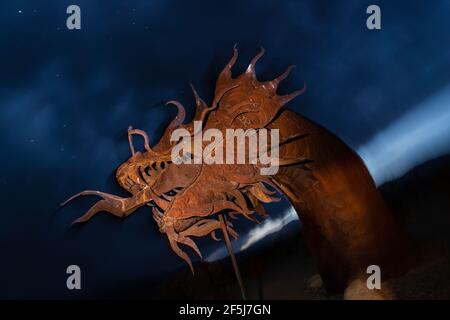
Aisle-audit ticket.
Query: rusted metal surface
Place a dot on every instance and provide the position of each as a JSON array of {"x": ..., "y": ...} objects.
[
  {"x": 325, "y": 181},
  {"x": 185, "y": 198}
]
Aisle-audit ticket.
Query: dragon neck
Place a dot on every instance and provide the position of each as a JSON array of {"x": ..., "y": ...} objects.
[{"x": 346, "y": 223}]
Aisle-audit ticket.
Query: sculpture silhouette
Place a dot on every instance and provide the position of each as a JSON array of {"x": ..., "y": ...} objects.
[{"x": 347, "y": 225}]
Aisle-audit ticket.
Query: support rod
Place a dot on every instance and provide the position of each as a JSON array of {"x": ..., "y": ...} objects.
[{"x": 232, "y": 256}]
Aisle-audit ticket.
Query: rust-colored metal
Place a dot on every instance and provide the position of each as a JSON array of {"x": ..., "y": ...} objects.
[
  {"x": 223, "y": 224},
  {"x": 347, "y": 226}
]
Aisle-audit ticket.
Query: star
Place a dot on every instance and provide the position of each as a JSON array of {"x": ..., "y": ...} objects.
[{"x": 20, "y": 11}]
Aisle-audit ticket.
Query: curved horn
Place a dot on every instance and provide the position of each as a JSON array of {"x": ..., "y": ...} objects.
[
  {"x": 275, "y": 82},
  {"x": 200, "y": 105},
  {"x": 227, "y": 69},
  {"x": 288, "y": 97},
  {"x": 142, "y": 133},
  {"x": 251, "y": 67},
  {"x": 164, "y": 142},
  {"x": 181, "y": 114}
]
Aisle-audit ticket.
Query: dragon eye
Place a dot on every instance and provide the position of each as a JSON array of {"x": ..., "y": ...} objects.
[{"x": 171, "y": 193}]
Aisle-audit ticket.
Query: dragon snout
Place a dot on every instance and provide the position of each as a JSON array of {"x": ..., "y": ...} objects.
[{"x": 128, "y": 177}]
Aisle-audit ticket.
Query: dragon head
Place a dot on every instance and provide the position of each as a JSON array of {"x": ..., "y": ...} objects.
[{"x": 182, "y": 177}]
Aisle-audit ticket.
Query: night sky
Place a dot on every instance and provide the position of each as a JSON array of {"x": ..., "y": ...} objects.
[{"x": 68, "y": 96}]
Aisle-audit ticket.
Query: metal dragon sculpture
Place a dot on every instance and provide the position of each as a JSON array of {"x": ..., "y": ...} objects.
[{"x": 347, "y": 225}]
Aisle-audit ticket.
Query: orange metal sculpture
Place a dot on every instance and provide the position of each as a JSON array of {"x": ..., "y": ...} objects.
[{"x": 347, "y": 226}]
